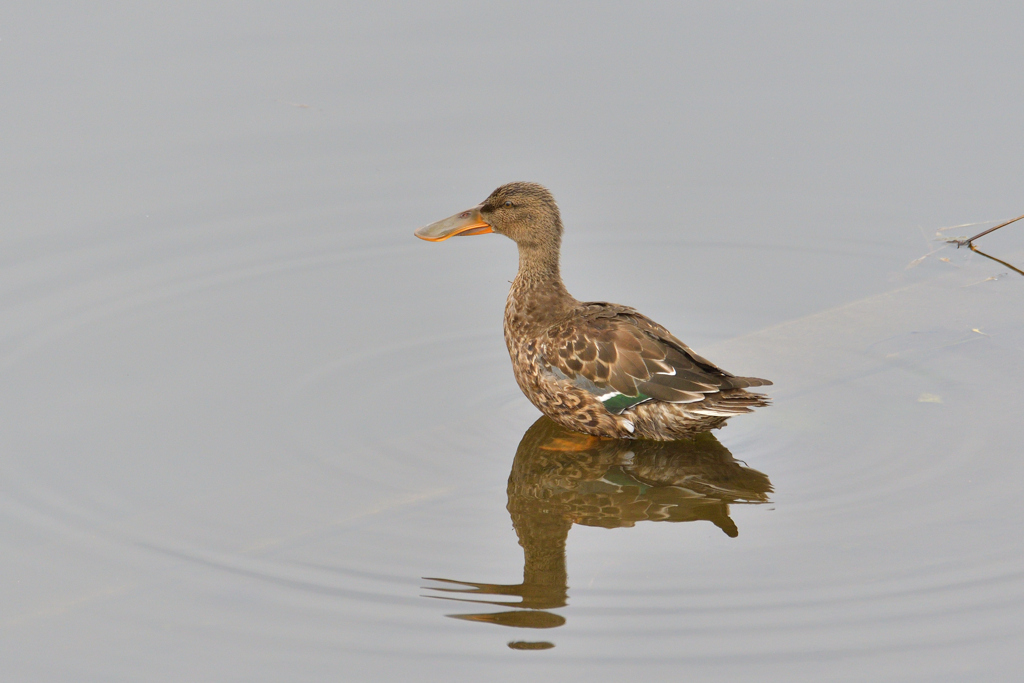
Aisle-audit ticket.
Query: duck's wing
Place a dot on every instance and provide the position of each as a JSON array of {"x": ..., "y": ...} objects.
[{"x": 625, "y": 358}]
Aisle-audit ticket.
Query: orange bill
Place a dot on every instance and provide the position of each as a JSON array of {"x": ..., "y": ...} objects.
[{"x": 468, "y": 222}]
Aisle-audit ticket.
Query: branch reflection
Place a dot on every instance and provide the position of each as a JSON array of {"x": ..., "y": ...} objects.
[{"x": 560, "y": 478}]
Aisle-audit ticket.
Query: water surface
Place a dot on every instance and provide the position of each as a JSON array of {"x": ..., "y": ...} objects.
[{"x": 253, "y": 430}]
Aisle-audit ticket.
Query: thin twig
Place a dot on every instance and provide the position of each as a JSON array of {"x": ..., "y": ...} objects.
[
  {"x": 979, "y": 251},
  {"x": 962, "y": 225},
  {"x": 967, "y": 242},
  {"x": 916, "y": 262}
]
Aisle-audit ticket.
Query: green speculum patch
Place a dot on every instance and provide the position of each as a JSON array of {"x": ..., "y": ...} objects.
[{"x": 620, "y": 402}]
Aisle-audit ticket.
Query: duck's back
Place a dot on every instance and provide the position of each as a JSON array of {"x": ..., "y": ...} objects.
[{"x": 606, "y": 358}]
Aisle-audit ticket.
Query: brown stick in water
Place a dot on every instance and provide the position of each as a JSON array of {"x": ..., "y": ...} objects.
[
  {"x": 979, "y": 251},
  {"x": 967, "y": 242}
]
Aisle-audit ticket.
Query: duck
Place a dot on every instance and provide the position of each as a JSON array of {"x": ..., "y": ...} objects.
[{"x": 602, "y": 369}]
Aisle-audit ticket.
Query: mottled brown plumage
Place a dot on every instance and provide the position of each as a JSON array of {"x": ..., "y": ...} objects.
[{"x": 595, "y": 367}]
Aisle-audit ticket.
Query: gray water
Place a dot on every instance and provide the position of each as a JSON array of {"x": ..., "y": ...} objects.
[{"x": 252, "y": 429}]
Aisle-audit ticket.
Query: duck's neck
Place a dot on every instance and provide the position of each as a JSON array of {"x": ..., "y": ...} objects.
[
  {"x": 538, "y": 265},
  {"x": 538, "y": 295}
]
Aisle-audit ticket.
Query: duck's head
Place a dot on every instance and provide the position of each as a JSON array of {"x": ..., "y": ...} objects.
[{"x": 524, "y": 212}]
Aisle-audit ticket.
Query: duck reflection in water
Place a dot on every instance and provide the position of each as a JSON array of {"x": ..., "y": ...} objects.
[{"x": 560, "y": 478}]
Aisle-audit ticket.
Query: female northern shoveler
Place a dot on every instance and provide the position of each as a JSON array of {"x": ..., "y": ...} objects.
[{"x": 594, "y": 367}]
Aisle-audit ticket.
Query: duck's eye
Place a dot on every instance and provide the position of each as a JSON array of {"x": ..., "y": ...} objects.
[{"x": 508, "y": 203}]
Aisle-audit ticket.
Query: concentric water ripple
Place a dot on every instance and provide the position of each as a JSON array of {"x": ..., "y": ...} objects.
[{"x": 240, "y": 440}]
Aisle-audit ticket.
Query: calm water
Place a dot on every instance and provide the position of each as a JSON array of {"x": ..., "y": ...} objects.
[{"x": 253, "y": 430}]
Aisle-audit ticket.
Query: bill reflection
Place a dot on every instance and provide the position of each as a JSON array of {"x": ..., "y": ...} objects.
[{"x": 560, "y": 478}]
